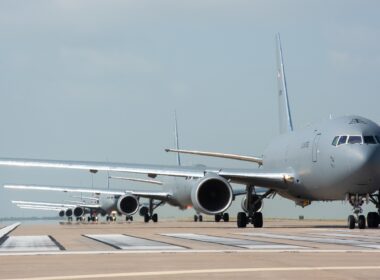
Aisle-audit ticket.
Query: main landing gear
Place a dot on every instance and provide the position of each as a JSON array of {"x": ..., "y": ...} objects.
[
  {"x": 373, "y": 218},
  {"x": 150, "y": 216},
  {"x": 198, "y": 217},
  {"x": 111, "y": 218},
  {"x": 252, "y": 212},
  {"x": 224, "y": 216},
  {"x": 128, "y": 218}
]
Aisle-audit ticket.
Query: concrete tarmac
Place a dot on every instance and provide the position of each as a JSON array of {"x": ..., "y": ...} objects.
[{"x": 283, "y": 249}]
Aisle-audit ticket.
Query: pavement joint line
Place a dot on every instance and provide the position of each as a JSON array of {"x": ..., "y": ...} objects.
[
  {"x": 199, "y": 271},
  {"x": 373, "y": 251}
]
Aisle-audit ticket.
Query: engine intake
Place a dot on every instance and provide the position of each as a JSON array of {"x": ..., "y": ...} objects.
[
  {"x": 143, "y": 211},
  {"x": 78, "y": 212},
  {"x": 212, "y": 195},
  {"x": 256, "y": 208},
  {"x": 62, "y": 213},
  {"x": 128, "y": 204},
  {"x": 69, "y": 212}
]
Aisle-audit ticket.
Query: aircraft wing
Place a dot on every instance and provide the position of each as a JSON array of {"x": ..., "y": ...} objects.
[
  {"x": 50, "y": 204},
  {"x": 259, "y": 177},
  {"x": 145, "y": 194}
]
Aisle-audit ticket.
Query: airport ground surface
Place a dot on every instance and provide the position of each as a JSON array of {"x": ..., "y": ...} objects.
[{"x": 283, "y": 249}]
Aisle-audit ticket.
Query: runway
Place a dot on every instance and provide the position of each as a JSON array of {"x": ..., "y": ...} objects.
[{"x": 170, "y": 249}]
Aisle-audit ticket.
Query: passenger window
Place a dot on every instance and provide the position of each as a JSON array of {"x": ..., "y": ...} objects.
[
  {"x": 369, "y": 140},
  {"x": 335, "y": 141},
  {"x": 355, "y": 140},
  {"x": 342, "y": 140}
]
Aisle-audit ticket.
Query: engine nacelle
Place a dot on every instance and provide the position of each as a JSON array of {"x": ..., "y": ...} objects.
[
  {"x": 212, "y": 195},
  {"x": 128, "y": 204},
  {"x": 61, "y": 213},
  {"x": 143, "y": 210},
  {"x": 69, "y": 212},
  {"x": 78, "y": 211},
  {"x": 257, "y": 208}
]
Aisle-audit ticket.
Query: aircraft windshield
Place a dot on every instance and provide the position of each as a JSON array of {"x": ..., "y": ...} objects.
[
  {"x": 342, "y": 140},
  {"x": 369, "y": 140},
  {"x": 355, "y": 140}
]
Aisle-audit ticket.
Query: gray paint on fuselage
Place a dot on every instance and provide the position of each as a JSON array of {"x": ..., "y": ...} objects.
[{"x": 336, "y": 170}]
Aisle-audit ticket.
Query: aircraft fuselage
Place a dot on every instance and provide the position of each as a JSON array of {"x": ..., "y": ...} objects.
[{"x": 323, "y": 171}]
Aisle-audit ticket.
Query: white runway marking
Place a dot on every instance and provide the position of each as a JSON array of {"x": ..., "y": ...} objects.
[
  {"x": 191, "y": 251},
  {"x": 348, "y": 242},
  {"x": 243, "y": 243},
  {"x": 5, "y": 230},
  {"x": 346, "y": 235},
  {"x": 28, "y": 243},
  {"x": 200, "y": 271},
  {"x": 125, "y": 242}
]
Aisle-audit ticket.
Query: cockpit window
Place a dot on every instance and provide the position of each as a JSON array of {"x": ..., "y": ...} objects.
[
  {"x": 335, "y": 141},
  {"x": 378, "y": 138},
  {"x": 355, "y": 139},
  {"x": 369, "y": 140},
  {"x": 342, "y": 140}
]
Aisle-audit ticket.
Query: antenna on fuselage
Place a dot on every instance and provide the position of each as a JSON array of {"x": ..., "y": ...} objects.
[
  {"x": 286, "y": 124},
  {"x": 176, "y": 138}
]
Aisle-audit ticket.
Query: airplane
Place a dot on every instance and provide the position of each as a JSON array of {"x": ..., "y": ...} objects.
[
  {"x": 108, "y": 202},
  {"x": 63, "y": 209},
  {"x": 335, "y": 159}
]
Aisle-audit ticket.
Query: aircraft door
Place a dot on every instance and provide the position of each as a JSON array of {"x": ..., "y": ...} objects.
[{"x": 315, "y": 147}]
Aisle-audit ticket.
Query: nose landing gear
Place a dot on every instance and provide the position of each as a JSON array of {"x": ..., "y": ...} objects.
[{"x": 356, "y": 201}]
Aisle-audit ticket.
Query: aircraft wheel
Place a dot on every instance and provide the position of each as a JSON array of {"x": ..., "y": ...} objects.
[
  {"x": 361, "y": 222},
  {"x": 107, "y": 218},
  {"x": 195, "y": 218},
  {"x": 351, "y": 222},
  {"x": 258, "y": 220},
  {"x": 241, "y": 220},
  {"x": 200, "y": 218},
  {"x": 146, "y": 218},
  {"x": 218, "y": 217},
  {"x": 93, "y": 218},
  {"x": 226, "y": 217},
  {"x": 131, "y": 218},
  {"x": 373, "y": 220},
  {"x": 155, "y": 218},
  {"x": 88, "y": 219}
]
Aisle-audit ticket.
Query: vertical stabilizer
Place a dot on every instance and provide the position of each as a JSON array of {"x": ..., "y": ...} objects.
[
  {"x": 176, "y": 138},
  {"x": 286, "y": 124}
]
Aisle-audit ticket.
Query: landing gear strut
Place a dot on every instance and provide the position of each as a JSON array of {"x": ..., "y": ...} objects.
[
  {"x": 356, "y": 201},
  {"x": 150, "y": 216},
  {"x": 373, "y": 218},
  {"x": 252, "y": 215}
]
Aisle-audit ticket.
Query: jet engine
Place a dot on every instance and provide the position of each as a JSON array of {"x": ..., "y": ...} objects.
[
  {"x": 128, "y": 204},
  {"x": 61, "y": 213},
  {"x": 212, "y": 195},
  {"x": 258, "y": 206},
  {"x": 78, "y": 211},
  {"x": 143, "y": 210},
  {"x": 69, "y": 212}
]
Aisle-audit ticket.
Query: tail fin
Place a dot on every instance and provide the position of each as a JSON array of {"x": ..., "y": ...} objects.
[
  {"x": 176, "y": 139},
  {"x": 286, "y": 124}
]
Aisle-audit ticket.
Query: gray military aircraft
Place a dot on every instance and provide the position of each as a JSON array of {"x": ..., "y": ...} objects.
[
  {"x": 336, "y": 159},
  {"x": 107, "y": 202}
]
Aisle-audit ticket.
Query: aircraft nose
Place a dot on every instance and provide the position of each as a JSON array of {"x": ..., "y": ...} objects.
[{"x": 368, "y": 158}]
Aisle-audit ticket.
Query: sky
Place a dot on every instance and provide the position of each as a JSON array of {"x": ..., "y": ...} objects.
[{"x": 100, "y": 80}]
